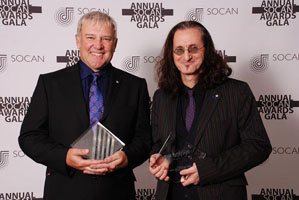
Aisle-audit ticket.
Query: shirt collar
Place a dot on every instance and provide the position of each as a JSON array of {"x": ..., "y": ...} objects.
[
  {"x": 85, "y": 71},
  {"x": 184, "y": 89}
]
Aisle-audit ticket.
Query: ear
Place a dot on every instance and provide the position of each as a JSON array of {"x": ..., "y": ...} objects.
[{"x": 77, "y": 41}]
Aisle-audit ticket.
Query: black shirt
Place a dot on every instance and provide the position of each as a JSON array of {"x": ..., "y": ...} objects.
[{"x": 183, "y": 138}]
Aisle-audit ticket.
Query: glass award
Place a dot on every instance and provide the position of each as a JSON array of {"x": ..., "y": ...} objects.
[
  {"x": 179, "y": 160},
  {"x": 99, "y": 140}
]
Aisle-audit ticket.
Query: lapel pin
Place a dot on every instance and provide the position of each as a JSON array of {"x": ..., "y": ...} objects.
[
  {"x": 117, "y": 82},
  {"x": 215, "y": 96}
]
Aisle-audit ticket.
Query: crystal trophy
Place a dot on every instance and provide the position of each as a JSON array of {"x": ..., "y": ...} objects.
[
  {"x": 99, "y": 140},
  {"x": 179, "y": 160}
]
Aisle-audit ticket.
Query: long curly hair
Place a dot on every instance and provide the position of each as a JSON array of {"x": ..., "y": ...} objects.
[{"x": 213, "y": 71}]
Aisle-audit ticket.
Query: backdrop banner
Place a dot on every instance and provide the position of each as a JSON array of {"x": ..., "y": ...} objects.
[{"x": 258, "y": 39}]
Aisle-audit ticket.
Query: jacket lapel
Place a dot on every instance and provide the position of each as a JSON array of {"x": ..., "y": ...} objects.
[
  {"x": 209, "y": 104},
  {"x": 74, "y": 93},
  {"x": 170, "y": 120},
  {"x": 114, "y": 85}
]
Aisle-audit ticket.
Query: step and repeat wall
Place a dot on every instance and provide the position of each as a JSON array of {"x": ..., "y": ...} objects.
[{"x": 258, "y": 39}]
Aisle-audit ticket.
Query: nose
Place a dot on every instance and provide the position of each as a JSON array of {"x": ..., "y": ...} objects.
[
  {"x": 98, "y": 44},
  {"x": 187, "y": 56}
]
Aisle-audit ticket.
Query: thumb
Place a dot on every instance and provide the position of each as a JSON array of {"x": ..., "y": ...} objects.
[
  {"x": 184, "y": 172},
  {"x": 153, "y": 160},
  {"x": 82, "y": 151}
]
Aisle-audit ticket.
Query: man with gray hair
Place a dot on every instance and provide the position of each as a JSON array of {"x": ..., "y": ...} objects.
[{"x": 62, "y": 108}]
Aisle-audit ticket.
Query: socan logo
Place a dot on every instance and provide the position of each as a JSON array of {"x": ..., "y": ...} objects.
[
  {"x": 3, "y": 62},
  {"x": 285, "y": 57},
  {"x": 27, "y": 58},
  {"x": 276, "y": 107},
  {"x": 195, "y": 14},
  {"x": 3, "y": 159},
  {"x": 131, "y": 64},
  {"x": 259, "y": 63},
  {"x": 64, "y": 16},
  {"x": 285, "y": 150},
  {"x": 275, "y": 194},
  {"x": 17, "y": 12},
  {"x": 71, "y": 57},
  {"x": 277, "y": 12},
  {"x": 147, "y": 15},
  {"x": 83, "y": 10}
]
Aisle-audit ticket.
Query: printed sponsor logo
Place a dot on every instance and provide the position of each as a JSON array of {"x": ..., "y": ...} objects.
[
  {"x": 64, "y": 16},
  {"x": 13, "y": 109},
  {"x": 142, "y": 194},
  {"x": 3, "y": 62},
  {"x": 131, "y": 64},
  {"x": 17, "y": 12},
  {"x": 275, "y": 194},
  {"x": 4, "y": 158},
  {"x": 276, "y": 107},
  {"x": 227, "y": 58},
  {"x": 70, "y": 58},
  {"x": 277, "y": 12},
  {"x": 147, "y": 15},
  {"x": 259, "y": 63},
  {"x": 197, "y": 14}
]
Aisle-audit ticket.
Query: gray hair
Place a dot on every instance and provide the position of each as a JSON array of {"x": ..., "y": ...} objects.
[{"x": 97, "y": 17}]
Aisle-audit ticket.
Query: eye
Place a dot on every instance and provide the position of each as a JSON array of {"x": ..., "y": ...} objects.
[
  {"x": 107, "y": 38},
  {"x": 90, "y": 37},
  {"x": 193, "y": 49},
  {"x": 179, "y": 51}
]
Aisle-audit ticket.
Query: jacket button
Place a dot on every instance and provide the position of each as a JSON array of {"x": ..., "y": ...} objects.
[
  {"x": 189, "y": 146},
  {"x": 190, "y": 157}
]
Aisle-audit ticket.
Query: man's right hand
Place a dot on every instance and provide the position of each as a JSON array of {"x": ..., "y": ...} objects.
[
  {"x": 74, "y": 159},
  {"x": 159, "y": 167}
]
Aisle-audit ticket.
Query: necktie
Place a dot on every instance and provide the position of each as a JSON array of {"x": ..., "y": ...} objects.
[
  {"x": 190, "y": 111},
  {"x": 96, "y": 101}
]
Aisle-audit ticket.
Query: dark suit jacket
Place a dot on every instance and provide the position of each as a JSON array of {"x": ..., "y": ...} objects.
[
  {"x": 58, "y": 115},
  {"x": 231, "y": 133}
]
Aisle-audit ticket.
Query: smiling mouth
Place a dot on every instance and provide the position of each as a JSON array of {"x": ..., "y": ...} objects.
[{"x": 97, "y": 54}]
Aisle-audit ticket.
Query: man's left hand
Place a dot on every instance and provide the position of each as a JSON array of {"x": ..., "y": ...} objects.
[
  {"x": 189, "y": 176},
  {"x": 116, "y": 161}
]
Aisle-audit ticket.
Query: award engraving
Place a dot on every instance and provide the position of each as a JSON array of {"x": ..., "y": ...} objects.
[{"x": 99, "y": 140}]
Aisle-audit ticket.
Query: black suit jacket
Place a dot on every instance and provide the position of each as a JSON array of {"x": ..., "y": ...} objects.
[
  {"x": 230, "y": 132},
  {"x": 58, "y": 114}
]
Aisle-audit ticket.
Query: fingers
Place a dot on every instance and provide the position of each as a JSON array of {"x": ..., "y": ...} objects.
[
  {"x": 114, "y": 164},
  {"x": 162, "y": 174},
  {"x": 99, "y": 167},
  {"x": 81, "y": 152},
  {"x": 154, "y": 158},
  {"x": 116, "y": 161},
  {"x": 189, "y": 176},
  {"x": 74, "y": 158},
  {"x": 159, "y": 172},
  {"x": 159, "y": 167},
  {"x": 189, "y": 180},
  {"x": 166, "y": 178},
  {"x": 186, "y": 172},
  {"x": 96, "y": 171}
]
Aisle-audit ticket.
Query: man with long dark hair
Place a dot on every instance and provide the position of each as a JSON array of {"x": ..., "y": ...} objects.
[{"x": 207, "y": 131}]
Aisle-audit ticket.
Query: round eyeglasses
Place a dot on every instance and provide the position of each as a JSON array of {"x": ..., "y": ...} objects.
[{"x": 191, "y": 49}]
